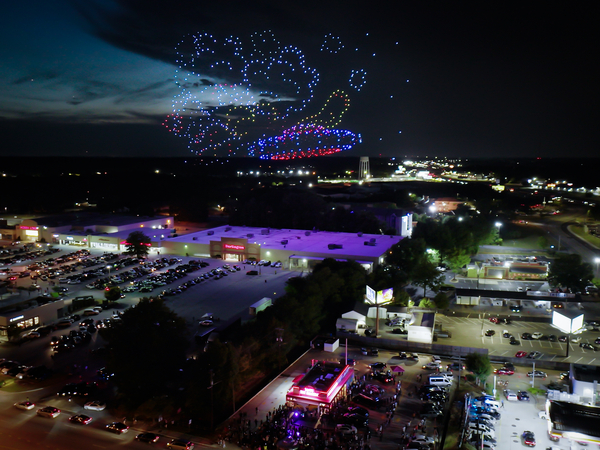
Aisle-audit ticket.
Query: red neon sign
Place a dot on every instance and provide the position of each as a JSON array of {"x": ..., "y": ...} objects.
[
  {"x": 28, "y": 228},
  {"x": 234, "y": 247}
]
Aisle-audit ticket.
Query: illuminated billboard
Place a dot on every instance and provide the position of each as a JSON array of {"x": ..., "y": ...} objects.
[
  {"x": 565, "y": 323},
  {"x": 380, "y": 297},
  {"x": 385, "y": 296},
  {"x": 371, "y": 296}
]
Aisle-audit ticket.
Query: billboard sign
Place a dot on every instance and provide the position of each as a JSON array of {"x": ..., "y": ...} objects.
[
  {"x": 385, "y": 296},
  {"x": 565, "y": 323},
  {"x": 370, "y": 295}
]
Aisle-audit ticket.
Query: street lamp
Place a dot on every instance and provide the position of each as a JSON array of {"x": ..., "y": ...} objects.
[{"x": 597, "y": 261}]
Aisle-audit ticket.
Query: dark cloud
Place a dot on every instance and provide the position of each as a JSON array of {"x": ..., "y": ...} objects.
[
  {"x": 35, "y": 77},
  {"x": 153, "y": 91}
]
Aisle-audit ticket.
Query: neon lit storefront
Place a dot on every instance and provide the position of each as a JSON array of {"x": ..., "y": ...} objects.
[
  {"x": 321, "y": 387},
  {"x": 234, "y": 249}
]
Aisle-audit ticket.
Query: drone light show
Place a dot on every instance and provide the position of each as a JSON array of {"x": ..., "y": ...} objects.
[{"x": 256, "y": 97}]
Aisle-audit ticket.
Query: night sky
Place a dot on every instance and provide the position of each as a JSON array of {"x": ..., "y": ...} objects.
[{"x": 456, "y": 79}]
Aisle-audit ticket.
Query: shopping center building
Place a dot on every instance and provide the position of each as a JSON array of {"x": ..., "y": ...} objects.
[
  {"x": 295, "y": 249},
  {"x": 104, "y": 231}
]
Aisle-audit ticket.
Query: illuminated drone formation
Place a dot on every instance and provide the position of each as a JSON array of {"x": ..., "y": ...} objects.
[
  {"x": 303, "y": 141},
  {"x": 249, "y": 99}
]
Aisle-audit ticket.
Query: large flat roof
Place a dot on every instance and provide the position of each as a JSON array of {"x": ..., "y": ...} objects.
[{"x": 297, "y": 240}]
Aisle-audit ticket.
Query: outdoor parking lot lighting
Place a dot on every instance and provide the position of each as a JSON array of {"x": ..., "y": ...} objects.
[
  {"x": 597, "y": 261},
  {"x": 498, "y": 224}
]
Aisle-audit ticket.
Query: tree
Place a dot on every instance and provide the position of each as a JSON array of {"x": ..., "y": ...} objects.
[
  {"x": 112, "y": 294},
  {"x": 401, "y": 298},
  {"x": 138, "y": 244},
  {"x": 457, "y": 260},
  {"x": 568, "y": 271},
  {"x": 147, "y": 351},
  {"x": 441, "y": 301},
  {"x": 426, "y": 275},
  {"x": 480, "y": 365},
  {"x": 426, "y": 303}
]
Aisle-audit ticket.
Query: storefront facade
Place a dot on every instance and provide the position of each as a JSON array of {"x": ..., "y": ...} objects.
[
  {"x": 324, "y": 385},
  {"x": 33, "y": 317}
]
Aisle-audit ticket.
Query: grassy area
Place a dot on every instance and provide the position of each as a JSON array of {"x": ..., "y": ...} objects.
[
  {"x": 579, "y": 231},
  {"x": 11, "y": 384}
]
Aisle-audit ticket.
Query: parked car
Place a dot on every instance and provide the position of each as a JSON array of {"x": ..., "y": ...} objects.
[
  {"x": 117, "y": 427},
  {"x": 504, "y": 371},
  {"x": 148, "y": 437},
  {"x": 537, "y": 374},
  {"x": 80, "y": 419},
  {"x": 528, "y": 438},
  {"x": 48, "y": 411},
  {"x": 523, "y": 396},
  {"x": 26, "y": 405},
  {"x": 180, "y": 444}
]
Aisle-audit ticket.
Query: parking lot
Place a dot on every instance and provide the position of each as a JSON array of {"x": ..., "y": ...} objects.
[{"x": 465, "y": 329}]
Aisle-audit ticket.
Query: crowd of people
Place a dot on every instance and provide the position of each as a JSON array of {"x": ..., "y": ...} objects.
[{"x": 294, "y": 428}]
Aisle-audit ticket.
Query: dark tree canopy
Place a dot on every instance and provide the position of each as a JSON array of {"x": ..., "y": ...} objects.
[
  {"x": 480, "y": 365},
  {"x": 147, "y": 350},
  {"x": 569, "y": 271},
  {"x": 138, "y": 244},
  {"x": 112, "y": 294}
]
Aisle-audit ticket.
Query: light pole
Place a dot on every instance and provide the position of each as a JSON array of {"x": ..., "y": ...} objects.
[{"x": 597, "y": 261}]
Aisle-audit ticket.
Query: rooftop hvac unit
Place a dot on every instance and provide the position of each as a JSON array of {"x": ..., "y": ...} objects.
[
  {"x": 210, "y": 233},
  {"x": 194, "y": 239},
  {"x": 307, "y": 233},
  {"x": 360, "y": 234},
  {"x": 227, "y": 228},
  {"x": 373, "y": 240},
  {"x": 250, "y": 235},
  {"x": 370, "y": 243},
  {"x": 284, "y": 242},
  {"x": 334, "y": 246},
  {"x": 265, "y": 231}
]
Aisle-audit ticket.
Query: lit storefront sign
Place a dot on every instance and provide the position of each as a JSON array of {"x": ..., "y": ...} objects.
[
  {"x": 28, "y": 228},
  {"x": 14, "y": 319},
  {"x": 233, "y": 247}
]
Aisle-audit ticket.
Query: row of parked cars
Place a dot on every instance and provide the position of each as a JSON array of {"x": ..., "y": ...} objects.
[
  {"x": 263, "y": 262},
  {"x": 18, "y": 255},
  {"x": 21, "y": 371},
  {"x": 51, "y": 412},
  {"x": 481, "y": 421}
]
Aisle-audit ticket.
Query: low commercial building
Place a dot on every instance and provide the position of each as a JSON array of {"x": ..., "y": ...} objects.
[
  {"x": 295, "y": 249},
  {"x": 104, "y": 231},
  {"x": 324, "y": 384},
  {"x": 28, "y": 313}
]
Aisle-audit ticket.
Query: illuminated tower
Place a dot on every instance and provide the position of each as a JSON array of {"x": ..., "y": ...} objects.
[{"x": 363, "y": 168}]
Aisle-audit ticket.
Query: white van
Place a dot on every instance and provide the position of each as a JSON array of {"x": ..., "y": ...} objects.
[
  {"x": 437, "y": 380},
  {"x": 510, "y": 395}
]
